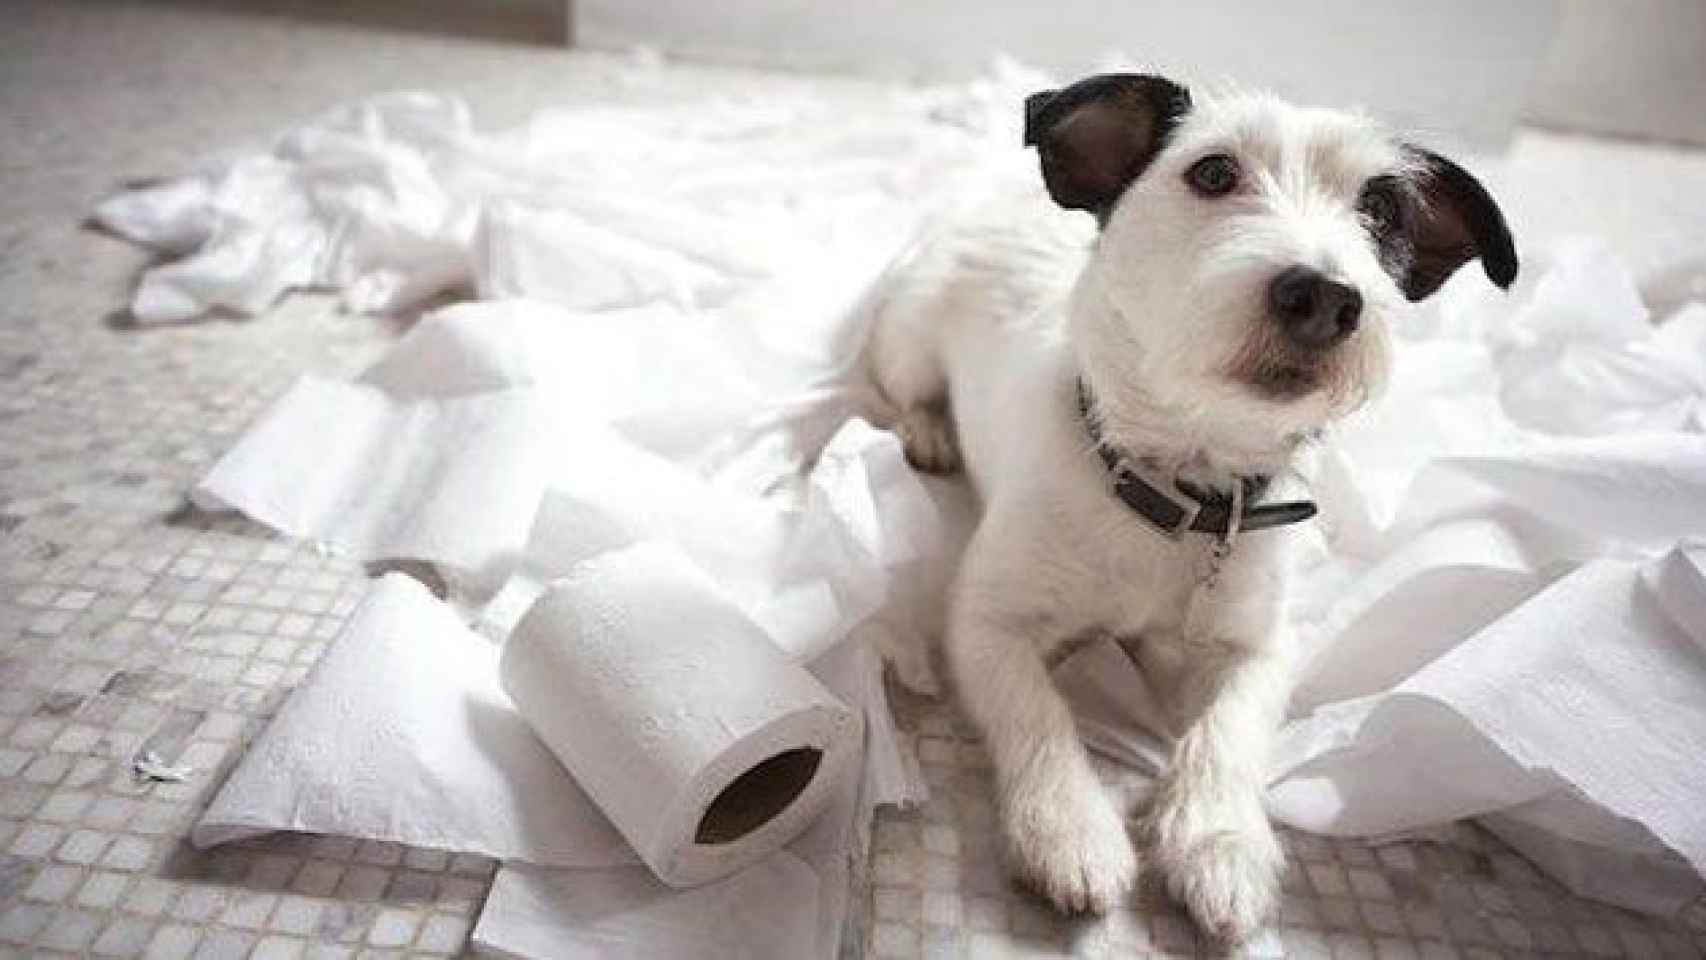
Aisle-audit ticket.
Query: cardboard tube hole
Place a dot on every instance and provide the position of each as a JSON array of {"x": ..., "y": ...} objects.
[{"x": 758, "y": 795}]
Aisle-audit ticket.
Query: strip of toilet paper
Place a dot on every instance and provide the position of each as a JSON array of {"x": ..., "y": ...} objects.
[
  {"x": 484, "y": 408},
  {"x": 362, "y": 454},
  {"x": 402, "y": 732},
  {"x": 769, "y": 910}
]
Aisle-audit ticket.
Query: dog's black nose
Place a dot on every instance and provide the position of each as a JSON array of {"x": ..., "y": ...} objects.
[{"x": 1314, "y": 312}]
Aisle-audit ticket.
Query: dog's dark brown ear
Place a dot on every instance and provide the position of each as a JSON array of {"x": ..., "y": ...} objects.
[
  {"x": 1458, "y": 221},
  {"x": 1095, "y": 137}
]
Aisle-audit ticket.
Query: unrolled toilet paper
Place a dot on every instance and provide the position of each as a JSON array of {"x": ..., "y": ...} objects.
[
  {"x": 402, "y": 733},
  {"x": 703, "y": 744}
]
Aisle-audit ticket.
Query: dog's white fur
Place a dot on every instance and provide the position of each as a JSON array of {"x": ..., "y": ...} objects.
[{"x": 990, "y": 324}]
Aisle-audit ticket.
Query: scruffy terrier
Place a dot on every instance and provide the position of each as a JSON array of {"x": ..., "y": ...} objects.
[{"x": 1123, "y": 407}]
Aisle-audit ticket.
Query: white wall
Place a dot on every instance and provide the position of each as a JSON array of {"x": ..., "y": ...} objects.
[
  {"x": 1462, "y": 67},
  {"x": 1631, "y": 67}
]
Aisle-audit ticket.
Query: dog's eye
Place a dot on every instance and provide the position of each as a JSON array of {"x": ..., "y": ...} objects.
[
  {"x": 1214, "y": 175},
  {"x": 1379, "y": 205}
]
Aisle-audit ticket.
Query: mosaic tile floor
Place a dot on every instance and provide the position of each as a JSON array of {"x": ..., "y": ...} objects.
[
  {"x": 130, "y": 624},
  {"x": 939, "y": 890}
]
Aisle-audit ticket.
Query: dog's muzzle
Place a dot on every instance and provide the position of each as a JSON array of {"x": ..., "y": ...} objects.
[{"x": 1313, "y": 311}]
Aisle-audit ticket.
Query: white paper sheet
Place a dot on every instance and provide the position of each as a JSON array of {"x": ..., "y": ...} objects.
[
  {"x": 444, "y": 452},
  {"x": 452, "y": 482},
  {"x": 766, "y": 912},
  {"x": 621, "y": 369},
  {"x": 401, "y": 732},
  {"x": 1587, "y": 688}
]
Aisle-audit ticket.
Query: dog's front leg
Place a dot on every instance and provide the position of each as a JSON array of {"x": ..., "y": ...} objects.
[
  {"x": 1064, "y": 834},
  {"x": 1212, "y": 839}
]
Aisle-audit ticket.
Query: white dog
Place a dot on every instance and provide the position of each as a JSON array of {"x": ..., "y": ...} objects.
[{"x": 1122, "y": 406}]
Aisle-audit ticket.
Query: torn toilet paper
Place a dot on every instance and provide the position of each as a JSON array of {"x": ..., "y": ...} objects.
[
  {"x": 767, "y": 910},
  {"x": 402, "y": 732},
  {"x": 395, "y": 198}
]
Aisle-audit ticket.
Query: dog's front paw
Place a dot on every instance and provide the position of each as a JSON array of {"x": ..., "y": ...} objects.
[
  {"x": 928, "y": 438},
  {"x": 1072, "y": 847},
  {"x": 1226, "y": 874}
]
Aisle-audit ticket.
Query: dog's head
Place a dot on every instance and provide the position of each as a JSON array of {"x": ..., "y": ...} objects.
[{"x": 1253, "y": 254}]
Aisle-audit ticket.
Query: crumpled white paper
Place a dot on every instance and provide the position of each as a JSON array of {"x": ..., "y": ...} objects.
[
  {"x": 395, "y": 198},
  {"x": 1499, "y": 609},
  {"x": 444, "y": 451}
]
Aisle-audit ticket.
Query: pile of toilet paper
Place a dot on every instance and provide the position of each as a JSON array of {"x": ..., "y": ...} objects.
[
  {"x": 653, "y": 396},
  {"x": 1503, "y": 604}
]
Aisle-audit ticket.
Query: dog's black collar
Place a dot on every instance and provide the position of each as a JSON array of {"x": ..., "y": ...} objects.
[{"x": 1187, "y": 506}]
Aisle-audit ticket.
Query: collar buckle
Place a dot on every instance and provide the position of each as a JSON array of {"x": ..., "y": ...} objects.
[{"x": 1155, "y": 499}]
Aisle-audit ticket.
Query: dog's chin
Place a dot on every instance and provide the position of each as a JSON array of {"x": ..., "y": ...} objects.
[
  {"x": 1285, "y": 381},
  {"x": 1302, "y": 387}
]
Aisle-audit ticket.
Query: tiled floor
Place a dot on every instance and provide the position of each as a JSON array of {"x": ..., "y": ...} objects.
[
  {"x": 129, "y": 623},
  {"x": 939, "y": 890}
]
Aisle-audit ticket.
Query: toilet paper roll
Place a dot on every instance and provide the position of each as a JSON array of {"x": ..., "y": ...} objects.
[{"x": 704, "y": 745}]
